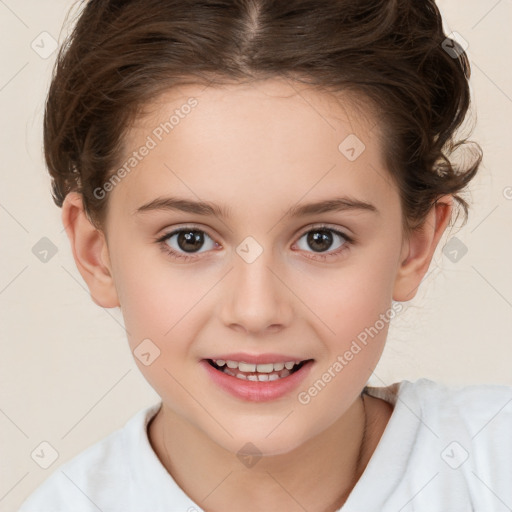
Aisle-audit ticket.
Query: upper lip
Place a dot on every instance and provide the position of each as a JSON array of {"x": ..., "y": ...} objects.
[{"x": 257, "y": 358}]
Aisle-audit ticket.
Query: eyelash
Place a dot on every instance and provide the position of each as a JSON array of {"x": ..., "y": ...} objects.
[{"x": 161, "y": 241}]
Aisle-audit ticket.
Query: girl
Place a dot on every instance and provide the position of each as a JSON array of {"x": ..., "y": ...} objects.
[{"x": 260, "y": 186}]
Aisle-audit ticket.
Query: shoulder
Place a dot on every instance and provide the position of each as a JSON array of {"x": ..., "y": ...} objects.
[
  {"x": 453, "y": 442},
  {"x": 464, "y": 426},
  {"x": 478, "y": 413},
  {"x": 475, "y": 422},
  {"x": 98, "y": 474},
  {"x": 471, "y": 403},
  {"x": 479, "y": 408},
  {"x": 466, "y": 429}
]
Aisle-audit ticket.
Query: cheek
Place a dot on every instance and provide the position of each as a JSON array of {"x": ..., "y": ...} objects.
[
  {"x": 147, "y": 308},
  {"x": 158, "y": 311},
  {"x": 356, "y": 305},
  {"x": 352, "y": 296},
  {"x": 154, "y": 299}
]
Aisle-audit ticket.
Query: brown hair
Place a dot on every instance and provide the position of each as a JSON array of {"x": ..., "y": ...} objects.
[{"x": 391, "y": 53}]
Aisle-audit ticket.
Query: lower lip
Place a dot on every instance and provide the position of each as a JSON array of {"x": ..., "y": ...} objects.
[{"x": 256, "y": 391}]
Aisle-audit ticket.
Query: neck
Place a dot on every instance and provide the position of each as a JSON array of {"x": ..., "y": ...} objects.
[{"x": 317, "y": 476}]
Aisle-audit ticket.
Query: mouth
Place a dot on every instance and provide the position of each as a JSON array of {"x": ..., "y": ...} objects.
[
  {"x": 257, "y": 372},
  {"x": 264, "y": 378}
]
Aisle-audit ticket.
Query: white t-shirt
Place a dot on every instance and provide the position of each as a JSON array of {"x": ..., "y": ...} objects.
[{"x": 444, "y": 449}]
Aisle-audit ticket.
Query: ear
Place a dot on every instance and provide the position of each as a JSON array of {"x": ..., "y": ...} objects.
[
  {"x": 90, "y": 252},
  {"x": 418, "y": 249}
]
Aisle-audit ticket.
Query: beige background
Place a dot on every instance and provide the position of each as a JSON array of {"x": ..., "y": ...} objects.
[{"x": 67, "y": 376}]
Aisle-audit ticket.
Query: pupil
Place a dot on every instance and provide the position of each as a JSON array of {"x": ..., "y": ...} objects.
[
  {"x": 322, "y": 239},
  {"x": 194, "y": 238}
]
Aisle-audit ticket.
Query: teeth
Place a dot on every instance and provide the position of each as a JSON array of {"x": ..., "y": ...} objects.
[
  {"x": 247, "y": 367},
  {"x": 265, "y": 368},
  {"x": 260, "y": 368},
  {"x": 264, "y": 373},
  {"x": 256, "y": 372}
]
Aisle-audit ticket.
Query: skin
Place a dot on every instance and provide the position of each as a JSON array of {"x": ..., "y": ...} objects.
[{"x": 258, "y": 149}]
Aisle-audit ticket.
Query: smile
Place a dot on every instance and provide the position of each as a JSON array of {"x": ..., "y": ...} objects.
[
  {"x": 257, "y": 377},
  {"x": 257, "y": 372}
]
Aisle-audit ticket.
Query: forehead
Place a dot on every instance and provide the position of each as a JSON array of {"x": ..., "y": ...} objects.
[
  {"x": 272, "y": 141},
  {"x": 260, "y": 105}
]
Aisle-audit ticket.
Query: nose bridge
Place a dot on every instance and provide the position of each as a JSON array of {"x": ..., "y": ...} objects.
[{"x": 257, "y": 298}]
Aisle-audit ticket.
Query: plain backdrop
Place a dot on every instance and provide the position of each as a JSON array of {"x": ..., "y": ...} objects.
[{"x": 67, "y": 376}]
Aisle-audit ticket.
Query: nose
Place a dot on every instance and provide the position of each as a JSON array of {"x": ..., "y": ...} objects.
[{"x": 257, "y": 299}]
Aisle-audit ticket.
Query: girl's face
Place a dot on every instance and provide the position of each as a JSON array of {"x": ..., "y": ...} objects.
[{"x": 265, "y": 278}]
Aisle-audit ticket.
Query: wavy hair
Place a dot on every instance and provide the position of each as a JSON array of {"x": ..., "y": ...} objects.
[{"x": 391, "y": 54}]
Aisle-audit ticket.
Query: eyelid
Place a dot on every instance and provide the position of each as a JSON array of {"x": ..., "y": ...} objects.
[
  {"x": 184, "y": 227},
  {"x": 323, "y": 225}
]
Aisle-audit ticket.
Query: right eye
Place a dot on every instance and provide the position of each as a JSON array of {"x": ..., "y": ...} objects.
[{"x": 186, "y": 243}]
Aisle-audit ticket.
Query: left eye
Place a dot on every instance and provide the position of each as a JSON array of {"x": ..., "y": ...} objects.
[{"x": 320, "y": 240}]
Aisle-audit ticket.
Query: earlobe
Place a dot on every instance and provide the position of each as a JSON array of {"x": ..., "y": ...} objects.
[
  {"x": 90, "y": 252},
  {"x": 419, "y": 248}
]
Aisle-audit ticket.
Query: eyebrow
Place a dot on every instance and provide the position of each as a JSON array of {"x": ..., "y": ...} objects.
[{"x": 207, "y": 208}]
